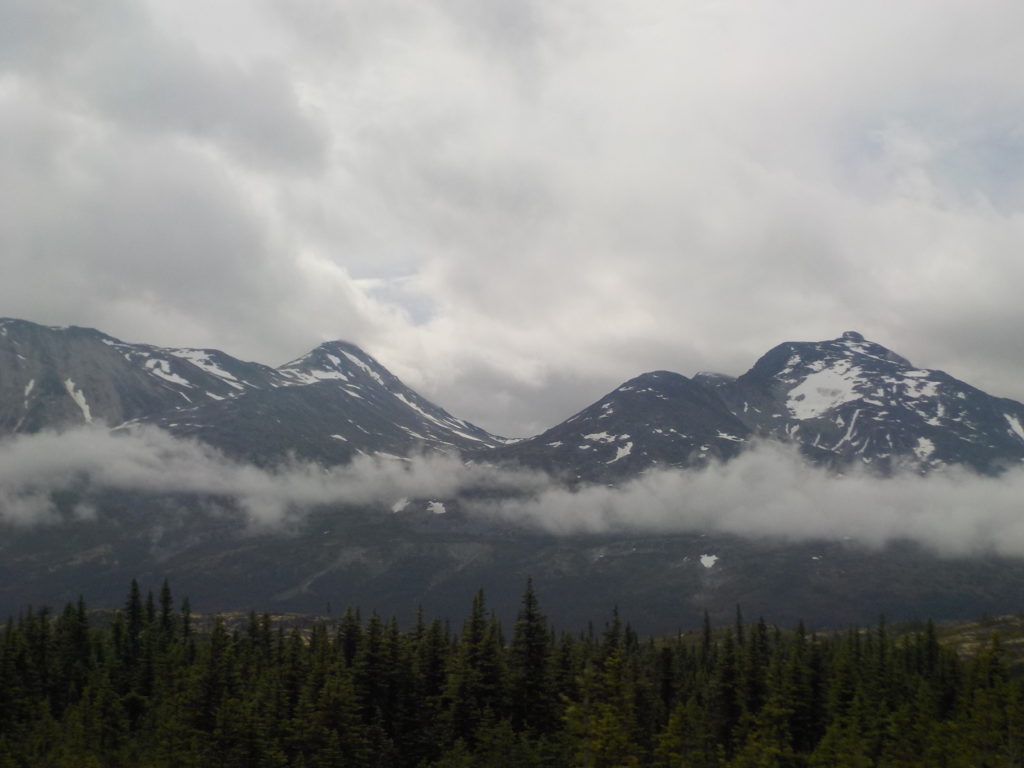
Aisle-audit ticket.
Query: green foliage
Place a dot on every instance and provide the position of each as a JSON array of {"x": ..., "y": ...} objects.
[{"x": 152, "y": 690}]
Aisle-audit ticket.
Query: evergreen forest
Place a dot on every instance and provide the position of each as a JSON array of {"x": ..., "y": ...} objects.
[{"x": 152, "y": 686}]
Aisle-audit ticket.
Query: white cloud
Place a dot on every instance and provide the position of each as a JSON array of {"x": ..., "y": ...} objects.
[
  {"x": 771, "y": 492},
  {"x": 33, "y": 467},
  {"x": 765, "y": 492}
]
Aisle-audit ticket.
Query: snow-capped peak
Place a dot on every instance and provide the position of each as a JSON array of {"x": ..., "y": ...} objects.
[{"x": 850, "y": 397}]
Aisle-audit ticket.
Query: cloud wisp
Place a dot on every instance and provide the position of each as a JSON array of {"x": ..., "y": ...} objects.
[{"x": 767, "y": 492}]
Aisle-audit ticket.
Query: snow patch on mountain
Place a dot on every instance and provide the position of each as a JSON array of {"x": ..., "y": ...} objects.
[
  {"x": 924, "y": 448},
  {"x": 849, "y": 430},
  {"x": 823, "y": 390},
  {"x": 622, "y": 452},
  {"x": 162, "y": 368},
  {"x": 201, "y": 359},
  {"x": 365, "y": 367},
  {"x": 1015, "y": 425},
  {"x": 79, "y": 397},
  {"x": 313, "y": 375}
]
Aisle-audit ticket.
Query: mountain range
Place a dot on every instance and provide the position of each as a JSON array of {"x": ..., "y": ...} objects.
[{"x": 844, "y": 403}]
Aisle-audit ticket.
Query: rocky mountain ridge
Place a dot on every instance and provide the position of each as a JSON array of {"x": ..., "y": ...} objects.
[
  {"x": 844, "y": 401},
  {"x": 329, "y": 405}
]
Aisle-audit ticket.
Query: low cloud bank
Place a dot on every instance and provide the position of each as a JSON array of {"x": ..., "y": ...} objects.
[
  {"x": 770, "y": 491},
  {"x": 766, "y": 492},
  {"x": 33, "y": 467}
]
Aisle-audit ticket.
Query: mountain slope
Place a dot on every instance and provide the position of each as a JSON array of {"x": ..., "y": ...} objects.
[
  {"x": 61, "y": 377},
  {"x": 333, "y": 404},
  {"x": 656, "y": 419},
  {"x": 329, "y": 405}
]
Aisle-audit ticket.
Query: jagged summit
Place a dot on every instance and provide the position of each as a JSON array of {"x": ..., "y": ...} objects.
[{"x": 335, "y": 360}]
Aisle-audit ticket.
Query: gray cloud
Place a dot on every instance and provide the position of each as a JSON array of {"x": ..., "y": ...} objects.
[
  {"x": 109, "y": 61},
  {"x": 33, "y": 467},
  {"x": 771, "y": 492},
  {"x": 552, "y": 196},
  {"x": 766, "y": 492}
]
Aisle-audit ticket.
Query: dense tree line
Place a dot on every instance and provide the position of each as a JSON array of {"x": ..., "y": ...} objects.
[{"x": 148, "y": 690}]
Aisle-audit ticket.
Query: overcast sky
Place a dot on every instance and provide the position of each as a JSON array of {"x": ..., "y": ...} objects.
[{"x": 516, "y": 205}]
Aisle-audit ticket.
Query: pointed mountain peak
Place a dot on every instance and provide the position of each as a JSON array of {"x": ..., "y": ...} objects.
[
  {"x": 655, "y": 379},
  {"x": 339, "y": 360},
  {"x": 658, "y": 418},
  {"x": 339, "y": 345}
]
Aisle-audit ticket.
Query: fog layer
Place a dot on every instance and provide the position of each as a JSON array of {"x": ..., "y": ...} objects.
[
  {"x": 766, "y": 492},
  {"x": 769, "y": 491},
  {"x": 33, "y": 467}
]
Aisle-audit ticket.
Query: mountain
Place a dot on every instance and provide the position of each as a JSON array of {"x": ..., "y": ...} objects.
[
  {"x": 843, "y": 401},
  {"x": 55, "y": 377},
  {"x": 656, "y": 419},
  {"x": 331, "y": 405},
  {"x": 328, "y": 406},
  {"x": 848, "y": 400}
]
